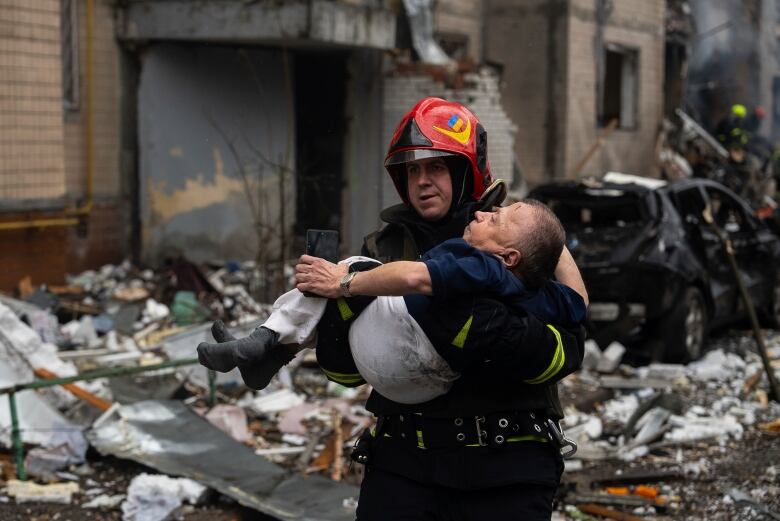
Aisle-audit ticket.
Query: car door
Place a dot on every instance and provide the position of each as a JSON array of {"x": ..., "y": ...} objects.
[
  {"x": 690, "y": 203},
  {"x": 752, "y": 254}
]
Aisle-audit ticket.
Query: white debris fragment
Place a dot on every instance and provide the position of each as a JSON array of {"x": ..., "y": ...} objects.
[
  {"x": 718, "y": 366},
  {"x": 620, "y": 409},
  {"x": 611, "y": 357},
  {"x": 275, "y": 401},
  {"x": 104, "y": 501},
  {"x": 698, "y": 428},
  {"x": 669, "y": 372},
  {"x": 27, "y": 492},
  {"x": 592, "y": 355},
  {"x": 155, "y": 310},
  {"x": 152, "y": 497}
]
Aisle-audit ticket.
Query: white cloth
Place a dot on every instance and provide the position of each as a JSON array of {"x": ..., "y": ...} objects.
[{"x": 391, "y": 351}]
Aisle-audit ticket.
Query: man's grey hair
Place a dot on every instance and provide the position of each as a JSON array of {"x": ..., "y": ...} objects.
[{"x": 540, "y": 246}]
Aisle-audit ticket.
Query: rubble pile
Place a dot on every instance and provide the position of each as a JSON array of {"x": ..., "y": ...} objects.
[
  {"x": 667, "y": 441},
  {"x": 121, "y": 314}
]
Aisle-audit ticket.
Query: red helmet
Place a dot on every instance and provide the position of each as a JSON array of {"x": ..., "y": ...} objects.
[{"x": 437, "y": 127}]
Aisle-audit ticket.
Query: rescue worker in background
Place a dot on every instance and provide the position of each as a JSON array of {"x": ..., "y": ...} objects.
[
  {"x": 485, "y": 449},
  {"x": 732, "y": 130}
]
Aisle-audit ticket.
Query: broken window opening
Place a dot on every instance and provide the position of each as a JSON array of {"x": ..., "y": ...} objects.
[
  {"x": 456, "y": 46},
  {"x": 619, "y": 87},
  {"x": 69, "y": 35}
]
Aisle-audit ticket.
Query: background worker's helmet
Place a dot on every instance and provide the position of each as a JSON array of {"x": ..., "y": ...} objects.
[
  {"x": 435, "y": 127},
  {"x": 738, "y": 110}
]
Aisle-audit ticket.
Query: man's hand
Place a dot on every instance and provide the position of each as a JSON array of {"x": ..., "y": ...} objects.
[{"x": 319, "y": 276}]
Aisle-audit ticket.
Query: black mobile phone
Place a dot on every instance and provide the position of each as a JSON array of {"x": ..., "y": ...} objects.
[{"x": 323, "y": 244}]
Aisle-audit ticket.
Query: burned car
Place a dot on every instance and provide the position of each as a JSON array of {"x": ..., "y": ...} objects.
[{"x": 657, "y": 274}]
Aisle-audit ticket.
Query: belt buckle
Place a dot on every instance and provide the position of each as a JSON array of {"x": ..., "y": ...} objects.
[{"x": 481, "y": 432}]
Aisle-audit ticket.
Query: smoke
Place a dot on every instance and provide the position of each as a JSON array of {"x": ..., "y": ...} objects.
[{"x": 727, "y": 55}]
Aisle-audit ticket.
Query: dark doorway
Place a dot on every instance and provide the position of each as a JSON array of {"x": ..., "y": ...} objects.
[{"x": 320, "y": 126}]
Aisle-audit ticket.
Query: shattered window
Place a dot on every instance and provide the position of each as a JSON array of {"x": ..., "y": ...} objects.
[
  {"x": 727, "y": 212},
  {"x": 690, "y": 204},
  {"x": 595, "y": 213},
  {"x": 619, "y": 90}
]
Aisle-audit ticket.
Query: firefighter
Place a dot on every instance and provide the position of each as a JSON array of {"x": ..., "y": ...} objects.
[
  {"x": 490, "y": 448},
  {"x": 732, "y": 130},
  {"x": 484, "y": 449}
]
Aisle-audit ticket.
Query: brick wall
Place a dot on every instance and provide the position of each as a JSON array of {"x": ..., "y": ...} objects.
[
  {"x": 32, "y": 166},
  {"x": 481, "y": 95},
  {"x": 42, "y": 148},
  {"x": 636, "y": 24}
]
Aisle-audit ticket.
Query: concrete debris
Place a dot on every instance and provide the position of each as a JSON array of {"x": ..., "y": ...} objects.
[
  {"x": 611, "y": 357},
  {"x": 698, "y": 427},
  {"x": 104, "y": 501},
  {"x": 154, "y": 497},
  {"x": 648, "y": 436},
  {"x": 29, "y": 492},
  {"x": 231, "y": 420}
]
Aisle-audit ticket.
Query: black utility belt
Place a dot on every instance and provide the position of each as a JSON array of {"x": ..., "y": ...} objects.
[{"x": 496, "y": 430}]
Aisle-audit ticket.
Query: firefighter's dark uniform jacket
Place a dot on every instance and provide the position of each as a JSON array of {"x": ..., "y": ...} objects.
[{"x": 526, "y": 359}]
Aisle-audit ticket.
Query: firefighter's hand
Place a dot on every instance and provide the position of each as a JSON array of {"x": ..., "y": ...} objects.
[{"x": 319, "y": 276}]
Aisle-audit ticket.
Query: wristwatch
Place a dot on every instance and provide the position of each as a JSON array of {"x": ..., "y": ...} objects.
[{"x": 346, "y": 280}]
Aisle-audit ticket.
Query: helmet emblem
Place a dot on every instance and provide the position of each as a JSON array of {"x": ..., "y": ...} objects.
[{"x": 456, "y": 123}]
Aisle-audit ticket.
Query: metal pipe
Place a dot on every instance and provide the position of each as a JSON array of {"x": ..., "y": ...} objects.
[
  {"x": 212, "y": 388},
  {"x": 728, "y": 248},
  {"x": 100, "y": 373},
  {"x": 39, "y": 223},
  {"x": 16, "y": 436}
]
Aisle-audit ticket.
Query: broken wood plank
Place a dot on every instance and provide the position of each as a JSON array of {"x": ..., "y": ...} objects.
[
  {"x": 609, "y": 513},
  {"x": 75, "y": 390}
]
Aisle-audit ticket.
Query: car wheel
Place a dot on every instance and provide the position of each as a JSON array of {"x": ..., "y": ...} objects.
[{"x": 684, "y": 331}]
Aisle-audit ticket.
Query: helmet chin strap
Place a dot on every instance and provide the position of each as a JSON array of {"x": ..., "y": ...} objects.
[{"x": 464, "y": 177}]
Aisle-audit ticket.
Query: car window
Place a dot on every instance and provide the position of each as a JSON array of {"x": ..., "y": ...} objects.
[
  {"x": 598, "y": 212},
  {"x": 690, "y": 203},
  {"x": 727, "y": 212}
]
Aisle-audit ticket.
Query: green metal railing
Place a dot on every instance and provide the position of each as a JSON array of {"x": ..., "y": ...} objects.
[{"x": 16, "y": 434}]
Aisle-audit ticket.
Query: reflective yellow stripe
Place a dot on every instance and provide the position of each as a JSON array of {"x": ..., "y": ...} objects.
[
  {"x": 460, "y": 338},
  {"x": 344, "y": 310},
  {"x": 557, "y": 362},
  {"x": 343, "y": 378},
  {"x": 528, "y": 438},
  {"x": 420, "y": 442}
]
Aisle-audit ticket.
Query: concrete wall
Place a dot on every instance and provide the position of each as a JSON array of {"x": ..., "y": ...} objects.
[
  {"x": 43, "y": 148},
  {"x": 32, "y": 164},
  {"x": 364, "y": 150},
  {"x": 206, "y": 113},
  {"x": 520, "y": 40},
  {"x": 635, "y": 24}
]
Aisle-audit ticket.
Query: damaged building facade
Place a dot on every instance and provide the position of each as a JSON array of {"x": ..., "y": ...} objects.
[
  {"x": 223, "y": 130},
  {"x": 577, "y": 72}
]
